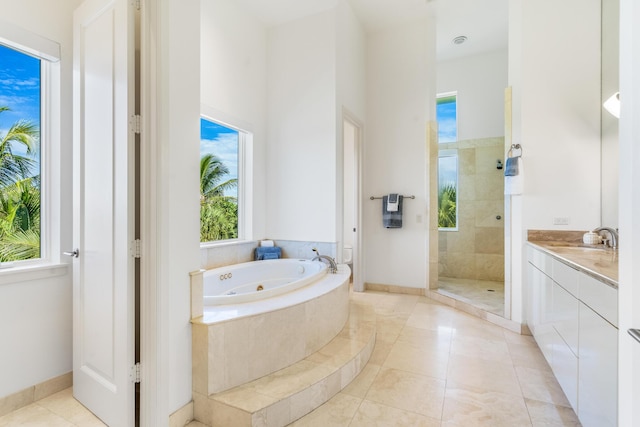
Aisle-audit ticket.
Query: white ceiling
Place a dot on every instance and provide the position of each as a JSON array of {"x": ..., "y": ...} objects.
[{"x": 484, "y": 22}]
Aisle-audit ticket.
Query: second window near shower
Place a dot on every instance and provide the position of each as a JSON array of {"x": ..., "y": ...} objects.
[{"x": 447, "y": 118}]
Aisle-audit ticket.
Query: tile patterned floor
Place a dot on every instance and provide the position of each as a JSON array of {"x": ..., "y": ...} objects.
[
  {"x": 484, "y": 294},
  {"x": 432, "y": 366}
]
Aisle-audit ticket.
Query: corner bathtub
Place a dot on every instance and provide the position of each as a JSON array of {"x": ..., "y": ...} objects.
[
  {"x": 257, "y": 280},
  {"x": 240, "y": 334}
]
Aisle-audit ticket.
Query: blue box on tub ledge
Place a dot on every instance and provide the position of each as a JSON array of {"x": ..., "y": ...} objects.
[{"x": 266, "y": 252}]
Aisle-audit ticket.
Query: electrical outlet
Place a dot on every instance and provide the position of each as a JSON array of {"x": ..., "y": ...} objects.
[{"x": 560, "y": 220}]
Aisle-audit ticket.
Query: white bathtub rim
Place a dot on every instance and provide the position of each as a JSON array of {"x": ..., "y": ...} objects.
[
  {"x": 224, "y": 313},
  {"x": 267, "y": 293}
]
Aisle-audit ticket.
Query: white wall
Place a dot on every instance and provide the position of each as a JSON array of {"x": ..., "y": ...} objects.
[
  {"x": 177, "y": 204},
  {"x": 36, "y": 315},
  {"x": 350, "y": 64},
  {"x": 234, "y": 85},
  {"x": 480, "y": 81},
  {"x": 400, "y": 101},
  {"x": 301, "y": 117},
  {"x": 555, "y": 74},
  {"x": 350, "y": 99}
]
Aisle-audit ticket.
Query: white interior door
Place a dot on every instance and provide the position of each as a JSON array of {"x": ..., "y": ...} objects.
[{"x": 103, "y": 272}]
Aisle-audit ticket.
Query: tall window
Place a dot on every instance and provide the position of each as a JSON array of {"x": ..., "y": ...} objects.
[
  {"x": 20, "y": 148},
  {"x": 447, "y": 117},
  {"x": 448, "y": 189},
  {"x": 220, "y": 149}
]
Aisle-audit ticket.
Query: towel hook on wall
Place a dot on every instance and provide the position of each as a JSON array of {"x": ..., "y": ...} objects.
[{"x": 514, "y": 147}]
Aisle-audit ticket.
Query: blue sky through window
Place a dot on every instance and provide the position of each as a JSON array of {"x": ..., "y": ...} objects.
[
  {"x": 19, "y": 91},
  {"x": 223, "y": 142},
  {"x": 446, "y": 115}
]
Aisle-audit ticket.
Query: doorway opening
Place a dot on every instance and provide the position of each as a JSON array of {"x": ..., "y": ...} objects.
[{"x": 351, "y": 191}]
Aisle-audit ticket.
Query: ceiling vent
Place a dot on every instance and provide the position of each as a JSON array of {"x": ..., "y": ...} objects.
[{"x": 459, "y": 39}]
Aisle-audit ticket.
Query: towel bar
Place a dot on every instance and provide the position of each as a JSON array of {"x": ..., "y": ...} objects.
[{"x": 406, "y": 197}]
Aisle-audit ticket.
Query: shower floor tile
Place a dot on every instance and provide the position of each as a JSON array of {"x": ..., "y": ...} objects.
[{"x": 484, "y": 294}]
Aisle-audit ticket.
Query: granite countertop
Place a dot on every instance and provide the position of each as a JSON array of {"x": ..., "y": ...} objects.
[{"x": 594, "y": 260}]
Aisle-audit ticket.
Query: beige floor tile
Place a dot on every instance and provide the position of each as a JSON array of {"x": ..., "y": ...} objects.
[
  {"x": 472, "y": 406},
  {"x": 490, "y": 376},
  {"x": 371, "y": 414},
  {"x": 528, "y": 356},
  {"x": 390, "y": 326},
  {"x": 420, "y": 343},
  {"x": 64, "y": 405},
  {"x": 470, "y": 326},
  {"x": 541, "y": 385},
  {"x": 408, "y": 391},
  {"x": 432, "y": 340},
  {"x": 490, "y": 350},
  {"x": 512, "y": 337},
  {"x": 549, "y": 415},
  {"x": 431, "y": 316},
  {"x": 361, "y": 384},
  {"x": 34, "y": 415},
  {"x": 381, "y": 351},
  {"x": 407, "y": 358},
  {"x": 337, "y": 412}
]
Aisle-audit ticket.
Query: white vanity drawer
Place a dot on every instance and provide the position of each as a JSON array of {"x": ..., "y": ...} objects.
[
  {"x": 565, "y": 276},
  {"x": 541, "y": 260},
  {"x": 600, "y": 297}
]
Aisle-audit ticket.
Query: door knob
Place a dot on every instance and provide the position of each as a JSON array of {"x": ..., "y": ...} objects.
[{"x": 75, "y": 253}]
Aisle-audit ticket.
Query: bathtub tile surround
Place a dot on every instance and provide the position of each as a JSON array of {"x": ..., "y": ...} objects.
[
  {"x": 238, "y": 343},
  {"x": 292, "y": 392},
  {"x": 229, "y": 253}
]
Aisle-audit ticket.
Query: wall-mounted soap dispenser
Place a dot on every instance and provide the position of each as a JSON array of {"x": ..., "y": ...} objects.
[{"x": 499, "y": 164}]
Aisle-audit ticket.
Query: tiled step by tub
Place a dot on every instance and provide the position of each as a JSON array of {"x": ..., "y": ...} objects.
[{"x": 280, "y": 398}]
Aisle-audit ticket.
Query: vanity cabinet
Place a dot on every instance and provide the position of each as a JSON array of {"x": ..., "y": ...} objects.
[
  {"x": 573, "y": 318},
  {"x": 598, "y": 355}
]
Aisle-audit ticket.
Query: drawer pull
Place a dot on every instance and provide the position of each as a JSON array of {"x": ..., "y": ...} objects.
[{"x": 635, "y": 333}]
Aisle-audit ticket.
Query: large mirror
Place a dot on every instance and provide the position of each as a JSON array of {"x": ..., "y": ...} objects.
[{"x": 610, "y": 85}]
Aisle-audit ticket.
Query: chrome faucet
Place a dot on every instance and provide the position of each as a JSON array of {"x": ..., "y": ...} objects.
[
  {"x": 612, "y": 232},
  {"x": 333, "y": 267}
]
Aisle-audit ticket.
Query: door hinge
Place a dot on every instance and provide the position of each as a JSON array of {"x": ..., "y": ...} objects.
[
  {"x": 136, "y": 124},
  {"x": 136, "y": 3},
  {"x": 136, "y": 248},
  {"x": 135, "y": 373}
]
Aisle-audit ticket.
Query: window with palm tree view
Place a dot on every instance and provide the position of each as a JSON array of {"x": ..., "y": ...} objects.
[
  {"x": 20, "y": 186},
  {"x": 447, "y": 117},
  {"x": 219, "y": 154}
]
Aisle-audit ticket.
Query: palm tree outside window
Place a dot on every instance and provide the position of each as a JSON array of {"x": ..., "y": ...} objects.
[
  {"x": 219, "y": 207},
  {"x": 447, "y": 117},
  {"x": 20, "y": 184}
]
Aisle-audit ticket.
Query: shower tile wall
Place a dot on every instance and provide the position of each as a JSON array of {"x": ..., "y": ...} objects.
[{"x": 476, "y": 250}]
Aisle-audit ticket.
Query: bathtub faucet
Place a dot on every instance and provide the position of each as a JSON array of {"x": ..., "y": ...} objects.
[{"x": 333, "y": 268}]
